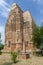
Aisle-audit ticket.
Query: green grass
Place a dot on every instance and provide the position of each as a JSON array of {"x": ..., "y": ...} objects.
[{"x": 5, "y": 59}]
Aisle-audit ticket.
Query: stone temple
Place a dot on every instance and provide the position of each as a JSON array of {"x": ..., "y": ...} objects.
[{"x": 18, "y": 30}]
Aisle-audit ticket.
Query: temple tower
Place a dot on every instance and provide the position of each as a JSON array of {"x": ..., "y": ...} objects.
[
  {"x": 18, "y": 30},
  {"x": 14, "y": 29}
]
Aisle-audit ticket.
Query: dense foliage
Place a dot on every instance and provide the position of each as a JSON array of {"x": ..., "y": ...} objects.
[
  {"x": 1, "y": 45},
  {"x": 38, "y": 37}
]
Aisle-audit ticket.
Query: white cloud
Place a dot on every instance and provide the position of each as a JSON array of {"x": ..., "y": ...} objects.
[
  {"x": 3, "y": 2},
  {"x": 41, "y": 20},
  {"x": 4, "y": 8},
  {"x": 36, "y": 0},
  {"x": 2, "y": 33}
]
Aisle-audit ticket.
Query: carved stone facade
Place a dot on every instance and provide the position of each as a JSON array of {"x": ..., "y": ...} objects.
[{"x": 18, "y": 30}]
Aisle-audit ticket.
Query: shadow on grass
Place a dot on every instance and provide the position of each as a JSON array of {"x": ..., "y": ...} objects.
[
  {"x": 16, "y": 62},
  {"x": 8, "y": 63},
  {"x": 38, "y": 53}
]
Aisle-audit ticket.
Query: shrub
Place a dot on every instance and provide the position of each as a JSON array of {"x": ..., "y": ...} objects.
[
  {"x": 14, "y": 56},
  {"x": 1, "y": 47},
  {"x": 0, "y": 52}
]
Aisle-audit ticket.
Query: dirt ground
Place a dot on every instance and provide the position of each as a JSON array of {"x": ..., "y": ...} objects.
[{"x": 5, "y": 59}]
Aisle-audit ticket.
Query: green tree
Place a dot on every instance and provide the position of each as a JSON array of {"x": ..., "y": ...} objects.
[
  {"x": 41, "y": 37},
  {"x": 38, "y": 37},
  {"x": 1, "y": 45}
]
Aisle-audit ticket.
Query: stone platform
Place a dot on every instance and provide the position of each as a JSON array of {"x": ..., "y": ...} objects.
[{"x": 23, "y": 56}]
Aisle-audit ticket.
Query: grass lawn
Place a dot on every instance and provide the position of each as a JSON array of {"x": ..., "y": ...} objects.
[{"x": 5, "y": 59}]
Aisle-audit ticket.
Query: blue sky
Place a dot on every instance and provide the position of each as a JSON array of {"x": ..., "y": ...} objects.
[{"x": 34, "y": 6}]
